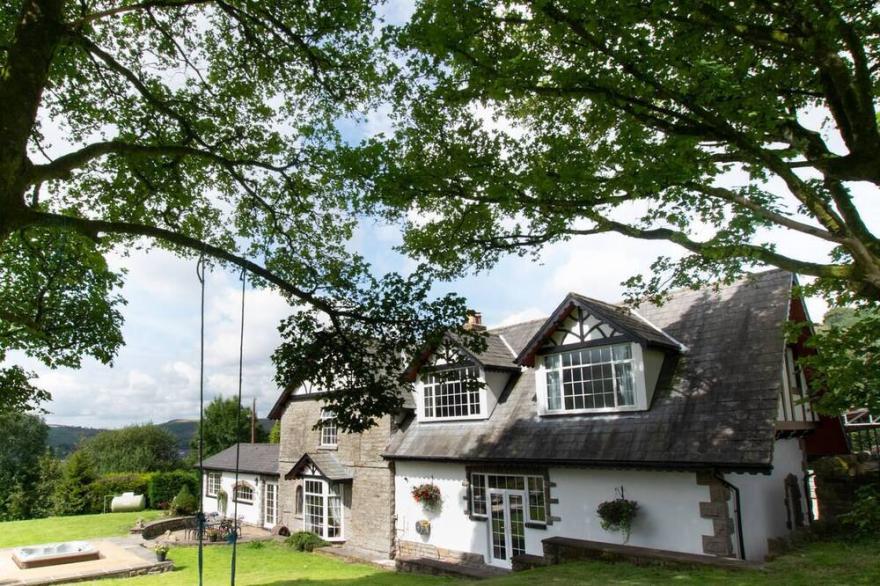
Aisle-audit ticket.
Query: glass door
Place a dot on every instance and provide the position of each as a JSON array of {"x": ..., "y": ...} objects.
[
  {"x": 270, "y": 512},
  {"x": 507, "y": 536}
]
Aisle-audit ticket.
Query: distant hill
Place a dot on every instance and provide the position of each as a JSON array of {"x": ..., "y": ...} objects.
[{"x": 63, "y": 439}]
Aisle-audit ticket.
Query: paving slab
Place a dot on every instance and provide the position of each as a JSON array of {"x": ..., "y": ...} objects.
[{"x": 120, "y": 557}]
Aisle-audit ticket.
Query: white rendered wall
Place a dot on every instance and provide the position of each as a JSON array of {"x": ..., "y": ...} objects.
[
  {"x": 251, "y": 514},
  {"x": 762, "y": 498},
  {"x": 669, "y": 510}
]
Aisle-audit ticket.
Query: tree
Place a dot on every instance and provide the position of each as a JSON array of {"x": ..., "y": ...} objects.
[
  {"x": 24, "y": 438},
  {"x": 691, "y": 122},
  {"x": 220, "y": 421},
  {"x": 203, "y": 127},
  {"x": 136, "y": 448},
  {"x": 51, "y": 470},
  {"x": 72, "y": 493},
  {"x": 275, "y": 433},
  {"x": 845, "y": 368}
]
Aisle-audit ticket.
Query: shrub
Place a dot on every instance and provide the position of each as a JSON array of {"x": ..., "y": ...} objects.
[
  {"x": 185, "y": 503},
  {"x": 72, "y": 494},
  {"x": 305, "y": 541},
  {"x": 164, "y": 486},
  {"x": 864, "y": 518},
  {"x": 116, "y": 484}
]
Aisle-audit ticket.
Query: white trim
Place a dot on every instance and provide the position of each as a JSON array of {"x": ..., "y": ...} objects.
[
  {"x": 681, "y": 346},
  {"x": 509, "y": 347},
  {"x": 639, "y": 389}
]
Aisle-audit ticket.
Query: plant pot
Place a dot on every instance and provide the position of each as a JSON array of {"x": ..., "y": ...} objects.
[{"x": 161, "y": 556}]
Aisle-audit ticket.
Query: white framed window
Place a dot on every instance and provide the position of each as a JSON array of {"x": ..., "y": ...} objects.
[
  {"x": 600, "y": 378},
  {"x": 452, "y": 393},
  {"x": 329, "y": 431},
  {"x": 322, "y": 508},
  {"x": 212, "y": 487},
  {"x": 243, "y": 493},
  {"x": 532, "y": 488}
]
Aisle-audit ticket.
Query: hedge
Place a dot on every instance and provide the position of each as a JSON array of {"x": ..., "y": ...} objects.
[
  {"x": 115, "y": 484},
  {"x": 164, "y": 486}
]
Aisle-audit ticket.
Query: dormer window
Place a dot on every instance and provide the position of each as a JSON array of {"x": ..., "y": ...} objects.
[
  {"x": 452, "y": 393},
  {"x": 600, "y": 377}
]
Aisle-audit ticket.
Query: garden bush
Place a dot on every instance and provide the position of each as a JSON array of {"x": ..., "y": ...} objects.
[
  {"x": 305, "y": 541},
  {"x": 164, "y": 486},
  {"x": 864, "y": 519},
  {"x": 116, "y": 484},
  {"x": 185, "y": 503}
]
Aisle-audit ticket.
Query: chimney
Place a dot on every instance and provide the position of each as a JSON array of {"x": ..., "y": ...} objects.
[{"x": 474, "y": 322}]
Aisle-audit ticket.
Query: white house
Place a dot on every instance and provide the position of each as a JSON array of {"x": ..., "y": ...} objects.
[
  {"x": 255, "y": 495},
  {"x": 694, "y": 409}
]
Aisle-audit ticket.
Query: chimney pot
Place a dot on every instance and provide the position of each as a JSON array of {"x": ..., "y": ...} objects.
[{"x": 474, "y": 321}]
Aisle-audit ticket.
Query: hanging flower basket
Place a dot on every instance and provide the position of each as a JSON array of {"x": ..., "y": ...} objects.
[
  {"x": 427, "y": 495},
  {"x": 618, "y": 515},
  {"x": 423, "y": 527}
]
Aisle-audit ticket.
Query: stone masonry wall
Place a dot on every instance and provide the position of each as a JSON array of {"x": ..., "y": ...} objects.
[
  {"x": 717, "y": 508},
  {"x": 369, "y": 498}
]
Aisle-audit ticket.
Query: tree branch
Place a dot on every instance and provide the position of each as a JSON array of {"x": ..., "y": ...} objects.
[
  {"x": 137, "y": 7},
  {"x": 61, "y": 167},
  {"x": 92, "y": 228}
]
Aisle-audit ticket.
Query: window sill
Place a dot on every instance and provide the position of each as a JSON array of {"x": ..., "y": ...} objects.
[
  {"x": 535, "y": 525},
  {"x": 603, "y": 411},
  {"x": 329, "y": 448},
  {"x": 449, "y": 419}
]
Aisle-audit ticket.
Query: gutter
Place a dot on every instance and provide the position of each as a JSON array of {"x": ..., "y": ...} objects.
[{"x": 739, "y": 524}]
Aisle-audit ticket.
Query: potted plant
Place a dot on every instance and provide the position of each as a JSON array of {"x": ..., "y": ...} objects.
[
  {"x": 618, "y": 514},
  {"x": 213, "y": 535},
  {"x": 427, "y": 495},
  {"x": 423, "y": 527},
  {"x": 161, "y": 550}
]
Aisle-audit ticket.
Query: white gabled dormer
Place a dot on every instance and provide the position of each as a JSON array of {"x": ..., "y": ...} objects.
[
  {"x": 455, "y": 384},
  {"x": 591, "y": 357}
]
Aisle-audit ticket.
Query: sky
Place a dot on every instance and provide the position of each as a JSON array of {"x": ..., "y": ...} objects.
[{"x": 155, "y": 376}]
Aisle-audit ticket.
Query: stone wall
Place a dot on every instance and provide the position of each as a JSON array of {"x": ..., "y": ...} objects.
[
  {"x": 717, "y": 509},
  {"x": 838, "y": 478},
  {"x": 414, "y": 550},
  {"x": 369, "y": 498}
]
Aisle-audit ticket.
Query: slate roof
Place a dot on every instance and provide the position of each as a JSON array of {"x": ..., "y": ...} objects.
[
  {"x": 715, "y": 407},
  {"x": 253, "y": 458},
  {"x": 496, "y": 355},
  {"x": 326, "y": 462}
]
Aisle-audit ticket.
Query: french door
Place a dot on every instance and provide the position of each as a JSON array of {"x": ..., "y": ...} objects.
[
  {"x": 270, "y": 505},
  {"x": 507, "y": 532}
]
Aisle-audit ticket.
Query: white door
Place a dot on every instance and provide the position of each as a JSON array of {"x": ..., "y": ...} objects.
[
  {"x": 270, "y": 505},
  {"x": 507, "y": 536}
]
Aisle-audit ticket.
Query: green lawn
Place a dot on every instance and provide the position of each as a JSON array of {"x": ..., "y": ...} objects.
[
  {"x": 14, "y": 533},
  {"x": 273, "y": 564}
]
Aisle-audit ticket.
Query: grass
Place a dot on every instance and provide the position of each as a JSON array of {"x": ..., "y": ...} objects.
[
  {"x": 15, "y": 533},
  {"x": 274, "y": 564}
]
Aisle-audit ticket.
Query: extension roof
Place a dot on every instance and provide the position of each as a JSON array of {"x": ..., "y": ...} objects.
[
  {"x": 715, "y": 403},
  {"x": 253, "y": 458},
  {"x": 327, "y": 464}
]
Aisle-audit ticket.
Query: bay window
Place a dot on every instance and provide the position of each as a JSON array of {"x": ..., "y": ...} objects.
[
  {"x": 596, "y": 378},
  {"x": 322, "y": 508}
]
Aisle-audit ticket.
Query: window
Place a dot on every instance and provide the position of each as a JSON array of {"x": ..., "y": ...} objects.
[
  {"x": 537, "y": 510},
  {"x": 298, "y": 506},
  {"x": 591, "y": 378},
  {"x": 478, "y": 495},
  {"x": 213, "y": 488},
  {"x": 322, "y": 504},
  {"x": 328, "y": 428},
  {"x": 452, "y": 393},
  {"x": 481, "y": 484},
  {"x": 243, "y": 493}
]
